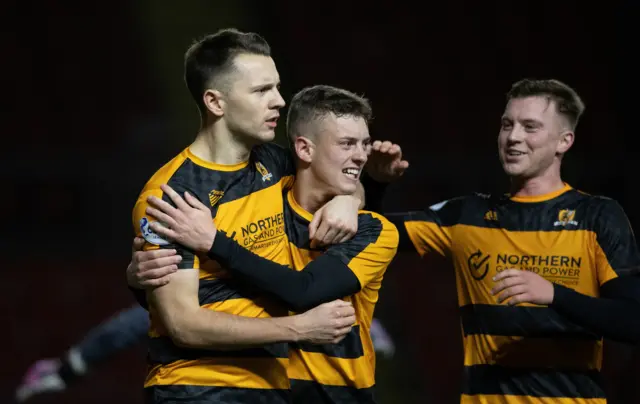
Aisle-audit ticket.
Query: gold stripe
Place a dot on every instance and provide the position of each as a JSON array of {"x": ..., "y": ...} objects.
[
  {"x": 542, "y": 198},
  {"x": 472, "y": 291},
  {"x": 519, "y": 352},
  {"x": 358, "y": 373},
  {"x": 211, "y": 165},
  {"x": 497, "y": 399},
  {"x": 250, "y": 373}
]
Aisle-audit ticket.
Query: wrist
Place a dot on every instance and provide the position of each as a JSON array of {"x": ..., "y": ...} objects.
[
  {"x": 221, "y": 246},
  {"x": 292, "y": 327},
  {"x": 207, "y": 243}
]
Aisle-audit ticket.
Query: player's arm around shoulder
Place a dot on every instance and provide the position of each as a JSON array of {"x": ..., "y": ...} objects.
[
  {"x": 375, "y": 223},
  {"x": 372, "y": 249}
]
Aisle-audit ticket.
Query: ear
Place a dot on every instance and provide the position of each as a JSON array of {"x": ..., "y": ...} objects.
[
  {"x": 565, "y": 142},
  {"x": 304, "y": 148},
  {"x": 214, "y": 102}
]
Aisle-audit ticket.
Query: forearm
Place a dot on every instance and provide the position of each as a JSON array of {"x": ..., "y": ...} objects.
[
  {"x": 323, "y": 280},
  {"x": 613, "y": 318},
  {"x": 177, "y": 308},
  {"x": 373, "y": 193},
  {"x": 209, "y": 329}
]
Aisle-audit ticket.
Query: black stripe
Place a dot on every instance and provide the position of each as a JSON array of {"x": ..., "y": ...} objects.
[
  {"x": 369, "y": 230},
  {"x": 199, "y": 181},
  {"x": 349, "y": 348},
  {"x": 500, "y": 212},
  {"x": 308, "y": 392},
  {"x": 488, "y": 379},
  {"x": 519, "y": 321},
  {"x": 172, "y": 394},
  {"x": 163, "y": 351},
  {"x": 219, "y": 290}
]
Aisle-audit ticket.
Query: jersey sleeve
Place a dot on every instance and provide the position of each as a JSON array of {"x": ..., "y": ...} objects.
[
  {"x": 371, "y": 250},
  {"x": 616, "y": 248},
  {"x": 141, "y": 222},
  {"x": 429, "y": 230}
]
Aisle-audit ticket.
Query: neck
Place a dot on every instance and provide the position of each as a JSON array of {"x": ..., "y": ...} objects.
[
  {"x": 547, "y": 182},
  {"x": 215, "y": 143},
  {"x": 310, "y": 194}
]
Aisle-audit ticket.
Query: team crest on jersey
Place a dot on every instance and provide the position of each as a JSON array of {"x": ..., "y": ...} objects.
[
  {"x": 266, "y": 175},
  {"x": 491, "y": 215},
  {"x": 565, "y": 217},
  {"x": 150, "y": 235},
  {"x": 215, "y": 196}
]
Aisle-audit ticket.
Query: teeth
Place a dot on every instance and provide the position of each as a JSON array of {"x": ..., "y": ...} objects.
[{"x": 351, "y": 172}]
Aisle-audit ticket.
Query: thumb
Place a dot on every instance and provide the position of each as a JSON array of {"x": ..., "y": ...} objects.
[{"x": 138, "y": 243}]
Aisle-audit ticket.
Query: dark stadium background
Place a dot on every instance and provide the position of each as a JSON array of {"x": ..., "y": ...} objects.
[{"x": 95, "y": 103}]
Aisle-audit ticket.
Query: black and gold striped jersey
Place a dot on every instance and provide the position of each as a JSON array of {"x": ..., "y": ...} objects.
[
  {"x": 246, "y": 202},
  {"x": 341, "y": 373},
  {"x": 526, "y": 353}
]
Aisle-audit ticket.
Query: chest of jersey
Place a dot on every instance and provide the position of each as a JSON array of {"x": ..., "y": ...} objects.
[{"x": 561, "y": 253}]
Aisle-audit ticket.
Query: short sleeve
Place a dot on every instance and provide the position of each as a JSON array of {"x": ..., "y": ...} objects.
[
  {"x": 141, "y": 222},
  {"x": 430, "y": 229}
]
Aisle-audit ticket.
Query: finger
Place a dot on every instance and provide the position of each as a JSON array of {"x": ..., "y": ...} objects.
[
  {"x": 327, "y": 239},
  {"x": 401, "y": 166},
  {"x": 347, "y": 312},
  {"x": 395, "y": 151},
  {"x": 193, "y": 201},
  {"x": 164, "y": 206},
  {"x": 320, "y": 233},
  {"x": 343, "y": 236},
  {"x": 159, "y": 215},
  {"x": 506, "y": 274},
  {"x": 175, "y": 197},
  {"x": 512, "y": 291},
  {"x": 148, "y": 266},
  {"x": 142, "y": 256},
  {"x": 345, "y": 330},
  {"x": 155, "y": 282},
  {"x": 138, "y": 243},
  {"x": 313, "y": 226},
  {"x": 341, "y": 303},
  {"x": 158, "y": 273},
  {"x": 521, "y": 298},
  {"x": 376, "y": 145},
  {"x": 386, "y": 145},
  {"x": 343, "y": 322},
  {"x": 163, "y": 231},
  {"x": 507, "y": 283}
]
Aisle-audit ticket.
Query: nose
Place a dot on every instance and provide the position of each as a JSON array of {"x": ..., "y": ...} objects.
[
  {"x": 278, "y": 102},
  {"x": 360, "y": 155},
  {"x": 516, "y": 134}
]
